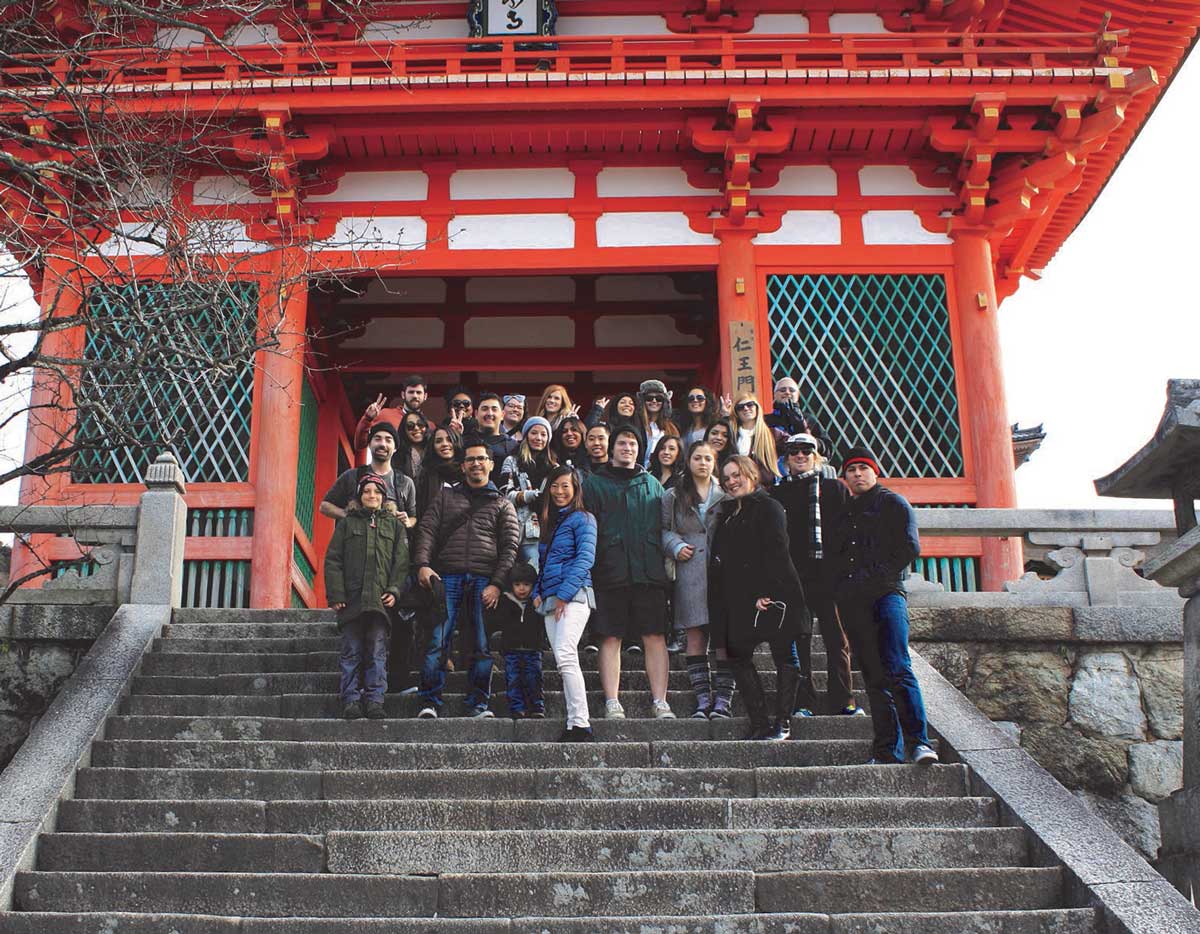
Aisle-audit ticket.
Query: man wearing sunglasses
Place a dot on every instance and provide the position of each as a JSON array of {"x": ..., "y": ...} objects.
[{"x": 872, "y": 544}]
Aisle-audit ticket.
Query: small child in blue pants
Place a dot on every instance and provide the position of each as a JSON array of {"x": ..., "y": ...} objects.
[{"x": 522, "y": 634}]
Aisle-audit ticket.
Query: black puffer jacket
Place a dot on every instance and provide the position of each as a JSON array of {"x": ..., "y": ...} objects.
[
  {"x": 485, "y": 543},
  {"x": 871, "y": 545}
]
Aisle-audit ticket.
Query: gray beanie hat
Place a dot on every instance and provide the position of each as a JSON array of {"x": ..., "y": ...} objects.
[{"x": 537, "y": 420}]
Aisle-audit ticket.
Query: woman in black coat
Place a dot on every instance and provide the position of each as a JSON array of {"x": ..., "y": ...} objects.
[{"x": 755, "y": 595}]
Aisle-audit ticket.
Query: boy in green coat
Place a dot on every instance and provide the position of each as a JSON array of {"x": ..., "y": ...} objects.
[{"x": 365, "y": 568}]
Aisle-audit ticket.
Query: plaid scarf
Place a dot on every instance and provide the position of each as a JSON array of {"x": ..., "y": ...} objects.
[{"x": 811, "y": 483}]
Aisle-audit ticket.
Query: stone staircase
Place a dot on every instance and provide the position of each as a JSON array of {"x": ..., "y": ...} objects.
[{"x": 226, "y": 797}]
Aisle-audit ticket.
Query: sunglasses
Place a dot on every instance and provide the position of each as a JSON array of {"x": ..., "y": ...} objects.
[
  {"x": 698, "y": 397},
  {"x": 415, "y": 426},
  {"x": 655, "y": 397},
  {"x": 746, "y": 405},
  {"x": 793, "y": 449},
  {"x": 459, "y": 404}
]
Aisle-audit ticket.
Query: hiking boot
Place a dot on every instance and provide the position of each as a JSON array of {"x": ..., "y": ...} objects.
[
  {"x": 577, "y": 734},
  {"x": 613, "y": 709},
  {"x": 662, "y": 710},
  {"x": 352, "y": 711},
  {"x": 374, "y": 711},
  {"x": 427, "y": 713},
  {"x": 922, "y": 755}
]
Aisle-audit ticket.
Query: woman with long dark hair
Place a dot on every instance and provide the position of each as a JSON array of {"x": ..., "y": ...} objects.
[
  {"x": 568, "y": 443},
  {"x": 522, "y": 479},
  {"x": 755, "y": 595},
  {"x": 666, "y": 461},
  {"x": 720, "y": 437},
  {"x": 563, "y": 592},
  {"x": 701, "y": 409},
  {"x": 654, "y": 415},
  {"x": 621, "y": 409},
  {"x": 441, "y": 466},
  {"x": 688, "y": 520},
  {"x": 413, "y": 445}
]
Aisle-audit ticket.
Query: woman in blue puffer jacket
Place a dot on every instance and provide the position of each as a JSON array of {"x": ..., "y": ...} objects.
[{"x": 563, "y": 592}]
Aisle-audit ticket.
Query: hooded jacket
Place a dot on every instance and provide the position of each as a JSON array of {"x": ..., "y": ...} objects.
[
  {"x": 484, "y": 542},
  {"x": 367, "y": 558},
  {"x": 626, "y": 504}
]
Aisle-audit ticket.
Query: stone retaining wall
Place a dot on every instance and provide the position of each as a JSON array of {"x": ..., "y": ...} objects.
[
  {"x": 1094, "y": 694},
  {"x": 40, "y": 646}
]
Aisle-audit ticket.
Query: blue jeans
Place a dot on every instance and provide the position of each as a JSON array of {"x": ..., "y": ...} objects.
[
  {"x": 523, "y": 674},
  {"x": 878, "y": 630},
  {"x": 363, "y": 662},
  {"x": 464, "y": 597}
]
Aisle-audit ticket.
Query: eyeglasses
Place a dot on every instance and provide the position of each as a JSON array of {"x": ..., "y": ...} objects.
[
  {"x": 655, "y": 397},
  {"x": 793, "y": 449},
  {"x": 698, "y": 397},
  {"x": 476, "y": 460},
  {"x": 741, "y": 406}
]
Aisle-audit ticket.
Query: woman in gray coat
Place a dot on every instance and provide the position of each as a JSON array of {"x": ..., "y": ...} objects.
[{"x": 688, "y": 520}]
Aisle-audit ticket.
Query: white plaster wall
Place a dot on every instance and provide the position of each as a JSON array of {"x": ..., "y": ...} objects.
[
  {"x": 893, "y": 180},
  {"x": 223, "y": 236},
  {"x": 417, "y": 290},
  {"x": 642, "y": 331},
  {"x": 519, "y": 289},
  {"x": 648, "y": 228},
  {"x": 512, "y": 232},
  {"x": 508, "y": 184},
  {"x": 120, "y": 244},
  {"x": 390, "y": 30},
  {"x": 400, "y": 333},
  {"x": 612, "y": 26},
  {"x": 177, "y": 38},
  {"x": 377, "y": 186},
  {"x": 856, "y": 22},
  {"x": 253, "y": 34},
  {"x": 377, "y": 233},
  {"x": 531, "y": 334},
  {"x": 638, "y": 288},
  {"x": 804, "y": 180},
  {"x": 804, "y": 228},
  {"x": 898, "y": 227},
  {"x": 224, "y": 189},
  {"x": 644, "y": 181},
  {"x": 780, "y": 23}
]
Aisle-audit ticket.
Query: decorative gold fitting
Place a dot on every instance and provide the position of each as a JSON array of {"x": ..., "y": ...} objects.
[{"x": 739, "y": 286}]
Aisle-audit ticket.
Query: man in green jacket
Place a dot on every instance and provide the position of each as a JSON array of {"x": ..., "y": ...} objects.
[
  {"x": 629, "y": 579},
  {"x": 365, "y": 568}
]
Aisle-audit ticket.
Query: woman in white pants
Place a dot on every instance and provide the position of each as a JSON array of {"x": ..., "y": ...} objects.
[{"x": 563, "y": 592}]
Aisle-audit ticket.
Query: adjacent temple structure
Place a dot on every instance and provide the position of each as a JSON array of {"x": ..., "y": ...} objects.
[{"x": 718, "y": 191}]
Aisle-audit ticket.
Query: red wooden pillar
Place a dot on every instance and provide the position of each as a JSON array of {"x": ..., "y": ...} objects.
[
  {"x": 50, "y": 416},
  {"x": 737, "y": 301},
  {"x": 989, "y": 433},
  {"x": 283, "y": 300}
]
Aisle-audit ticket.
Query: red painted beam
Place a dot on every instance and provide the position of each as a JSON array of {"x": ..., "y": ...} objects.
[{"x": 515, "y": 361}]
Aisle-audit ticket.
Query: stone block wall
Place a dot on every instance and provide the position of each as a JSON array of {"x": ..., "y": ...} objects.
[
  {"x": 1095, "y": 695},
  {"x": 40, "y": 646}
]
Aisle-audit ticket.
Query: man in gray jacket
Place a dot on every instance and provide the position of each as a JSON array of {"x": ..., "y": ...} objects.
[{"x": 468, "y": 540}]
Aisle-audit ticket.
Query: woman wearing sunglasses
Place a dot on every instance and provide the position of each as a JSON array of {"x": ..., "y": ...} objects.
[
  {"x": 754, "y": 438},
  {"x": 701, "y": 410},
  {"x": 755, "y": 595},
  {"x": 413, "y": 445},
  {"x": 654, "y": 416}
]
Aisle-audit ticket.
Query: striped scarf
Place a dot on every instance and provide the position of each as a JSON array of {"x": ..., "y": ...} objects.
[{"x": 811, "y": 481}]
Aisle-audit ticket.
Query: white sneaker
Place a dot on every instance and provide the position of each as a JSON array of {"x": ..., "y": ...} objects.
[
  {"x": 613, "y": 709},
  {"x": 922, "y": 755},
  {"x": 662, "y": 710},
  {"x": 427, "y": 713}
]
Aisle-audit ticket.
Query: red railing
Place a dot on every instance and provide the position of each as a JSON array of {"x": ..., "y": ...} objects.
[{"x": 566, "y": 55}]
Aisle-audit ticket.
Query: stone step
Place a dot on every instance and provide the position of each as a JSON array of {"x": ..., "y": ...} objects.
[
  {"x": 560, "y": 894},
  {"x": 354, "y": 852},
  {"x": 864, "y": 781},
  {"x": 318, "y": 817},
  {"x": 326, "y": 682},
  {"x": 1051, "y": 921},
  {"x": 226, "y": 617},
  {"x": 325, "y": 706},
  {"x": 237, "y": 754},
  {"x": 173, "y": 661},
  {"x": 460, "y": 729}
]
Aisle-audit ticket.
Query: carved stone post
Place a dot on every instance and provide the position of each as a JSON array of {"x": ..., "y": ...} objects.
[{"x": 162, "y": 528}]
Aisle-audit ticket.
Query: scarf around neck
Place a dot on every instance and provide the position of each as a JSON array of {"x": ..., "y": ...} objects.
[{"x": 810, "y": 483}]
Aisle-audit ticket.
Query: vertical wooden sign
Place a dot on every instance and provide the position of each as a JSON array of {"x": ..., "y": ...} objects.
[{"x": 743, "y": 355}]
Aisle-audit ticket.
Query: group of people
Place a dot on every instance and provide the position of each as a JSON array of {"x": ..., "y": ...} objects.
[{"x": 720, "y": 528}]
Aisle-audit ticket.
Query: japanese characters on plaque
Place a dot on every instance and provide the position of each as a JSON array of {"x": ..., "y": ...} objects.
[
  {"x": 743, "y": 354},
  {"x": 511, "y": 18}
]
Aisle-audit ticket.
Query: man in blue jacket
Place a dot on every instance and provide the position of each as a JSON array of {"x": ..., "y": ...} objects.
[{"x": 873, "y": 541}]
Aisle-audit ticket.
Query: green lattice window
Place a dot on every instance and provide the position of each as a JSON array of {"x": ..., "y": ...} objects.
[
  {"x": 306, "y": 463},
  {"x": 302, "y": 563},
  {"x": 173, "y": 365},
  {"x": 873, "y": 357}
]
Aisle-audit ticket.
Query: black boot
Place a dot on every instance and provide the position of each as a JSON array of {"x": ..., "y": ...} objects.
[
  {"x": 701, "y": 679},
  {"x": 755, "y": 699},
  {"x": 787, "y": 679}
]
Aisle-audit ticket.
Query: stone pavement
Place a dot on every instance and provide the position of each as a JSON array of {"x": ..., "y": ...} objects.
[{"x": 226, "y": 797}]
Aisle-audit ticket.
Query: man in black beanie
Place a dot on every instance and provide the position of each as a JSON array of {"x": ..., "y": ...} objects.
[{"x": 872, "y": 543}]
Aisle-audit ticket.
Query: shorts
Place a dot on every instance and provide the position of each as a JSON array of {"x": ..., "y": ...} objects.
[{"x": 631, "y": 612}]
